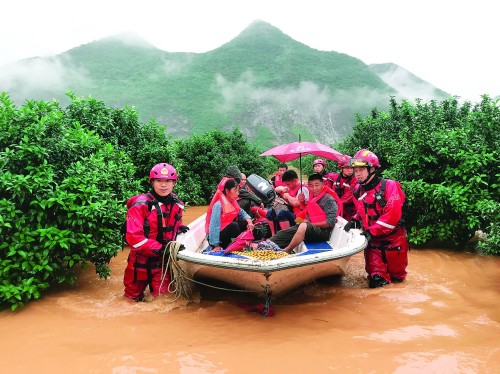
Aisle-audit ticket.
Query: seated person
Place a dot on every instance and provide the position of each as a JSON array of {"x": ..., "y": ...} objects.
[
  {"x": 221, "y": 225},
  {"x": 319, "y": 220},
  {"x": 295, "y": 195},
  {"x": 232, "y": 171},
  {"x": 247, "y": 199},
  {"x": 291, "y": 192},
  {"x": 276, "y": 179}
]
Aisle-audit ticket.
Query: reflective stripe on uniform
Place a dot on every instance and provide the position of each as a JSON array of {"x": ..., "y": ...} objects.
[
  {"x": 142, "y": 242},
  {"x": 385, "y": 225}
]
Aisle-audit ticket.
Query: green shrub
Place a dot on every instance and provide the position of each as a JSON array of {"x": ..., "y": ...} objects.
[
  {"x": 203, "y": 160},
  {"x": 145, "y": 144},
  {"x": 62, "y": 189},
  {"x": 446, "y": 156}
]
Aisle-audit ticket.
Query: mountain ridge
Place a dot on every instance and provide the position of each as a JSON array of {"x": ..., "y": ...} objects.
[{"x": 262, "y": 81}]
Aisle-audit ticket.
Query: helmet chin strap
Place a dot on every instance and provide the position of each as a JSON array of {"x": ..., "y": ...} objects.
[{"x": 369, "y": 177}]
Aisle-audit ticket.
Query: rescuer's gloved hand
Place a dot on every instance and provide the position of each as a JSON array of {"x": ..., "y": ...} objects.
[
  {"x": 352, "y": 224},
  {"x": 368, "y": 235},
  {"x": 162, "y": 251},
  {"x": 183, "y": 229}
]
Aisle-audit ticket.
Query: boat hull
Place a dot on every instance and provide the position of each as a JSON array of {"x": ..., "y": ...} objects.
[
  {"x": 268, "y": 278},
  {"x": 275, "y": 283}
]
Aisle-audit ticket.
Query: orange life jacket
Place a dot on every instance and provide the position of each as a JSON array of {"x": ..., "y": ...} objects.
[
  {"x": 294, "y": 192},
  {"x": 229, "y": 208},
  {"x": 313, "y": 209},
  {"x": 278, "y": 181}
]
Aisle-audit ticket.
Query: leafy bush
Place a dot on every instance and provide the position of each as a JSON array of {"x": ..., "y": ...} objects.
[
  {"x": 62, "y": 189},
  {"x": 446, "y": 156},
  {"x": 203, "y": 160},
  {"x": 491, "y": 212},
  {"x": 145, "y": 144}
]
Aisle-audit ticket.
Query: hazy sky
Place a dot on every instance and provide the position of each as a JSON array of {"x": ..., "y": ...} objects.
[{"x": 452, "y": 44}]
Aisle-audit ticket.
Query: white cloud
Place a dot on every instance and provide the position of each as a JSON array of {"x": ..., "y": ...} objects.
[{"x": 37, "y": 74}]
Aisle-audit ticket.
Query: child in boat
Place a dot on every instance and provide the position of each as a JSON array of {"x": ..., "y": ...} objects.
[
  {"x": 153, "y": 220},
  {"x": 321, "y": 216},
  {"x": 223, "y": 214}
]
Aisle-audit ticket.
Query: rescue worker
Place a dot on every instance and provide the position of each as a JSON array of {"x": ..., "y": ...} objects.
[
  {"x": 317, "y": 223},
  {"x": 153, "y": 220},
  {"x": 344, "y": 184},
  {"x": 319, "y": 166},
  {"x": 221, "y": 225},
  {"x": 379, "y": 204}
]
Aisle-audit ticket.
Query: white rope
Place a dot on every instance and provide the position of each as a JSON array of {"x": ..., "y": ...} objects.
[
  {"x": 178, "y": 285},
  {"x": 181, "y": 284}
]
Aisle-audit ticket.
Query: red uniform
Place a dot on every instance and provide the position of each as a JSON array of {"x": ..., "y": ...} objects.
[
  {"x": 143, "y": 225},
  {"x": 343, "y": 187},
  {"x": 387, "y": 252},
  {"x": 328, "y": 178}
]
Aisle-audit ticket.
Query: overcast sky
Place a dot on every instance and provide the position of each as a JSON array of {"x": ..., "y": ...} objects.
[{"x": 452, "y": 44}]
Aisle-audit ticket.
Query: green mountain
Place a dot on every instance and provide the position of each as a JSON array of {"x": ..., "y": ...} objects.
[{"x": 270, "y": 86}]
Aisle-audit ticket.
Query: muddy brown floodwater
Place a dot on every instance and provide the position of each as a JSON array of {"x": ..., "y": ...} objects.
[{"x": 445, "y": 318}]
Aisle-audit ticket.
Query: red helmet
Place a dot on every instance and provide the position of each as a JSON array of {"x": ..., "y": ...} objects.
[
  {"x": 319, "y": 162},
  {"x": 364, "y": 157},
  {"x": 344, "y": 161},
  {"x": 163, "y": 171}
]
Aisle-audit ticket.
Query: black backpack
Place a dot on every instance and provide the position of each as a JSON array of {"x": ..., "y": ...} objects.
[{"x": 262, "y": 230}]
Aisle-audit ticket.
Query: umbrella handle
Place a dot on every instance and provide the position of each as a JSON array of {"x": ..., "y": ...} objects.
[{"x": 300, "y": 169}]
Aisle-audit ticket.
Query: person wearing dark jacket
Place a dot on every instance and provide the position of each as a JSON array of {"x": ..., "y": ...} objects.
[{"x": 247, "y": 199}]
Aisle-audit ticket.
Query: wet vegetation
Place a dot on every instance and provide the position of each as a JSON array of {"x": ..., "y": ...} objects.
[
  {"x": 446, "y": 156},
  {"x": 67, "y": 172}
]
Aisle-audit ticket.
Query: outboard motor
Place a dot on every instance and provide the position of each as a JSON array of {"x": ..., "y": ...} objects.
[{"x": 261, "y": 187}]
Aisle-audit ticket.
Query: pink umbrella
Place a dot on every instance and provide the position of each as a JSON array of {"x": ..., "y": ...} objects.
[{"x": 291, "y": 151}]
